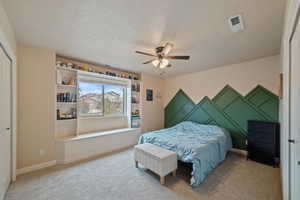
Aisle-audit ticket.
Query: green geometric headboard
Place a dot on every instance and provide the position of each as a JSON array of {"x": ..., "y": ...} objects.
[{"x": 228, "y": 109}]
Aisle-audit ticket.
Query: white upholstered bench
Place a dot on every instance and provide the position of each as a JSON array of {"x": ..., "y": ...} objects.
[{"x": 159, "y": 160}]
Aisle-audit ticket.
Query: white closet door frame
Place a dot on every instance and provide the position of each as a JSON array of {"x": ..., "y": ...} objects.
[
  {"x": 13, "y": 113},
  {"x": 292, "y": 17}
]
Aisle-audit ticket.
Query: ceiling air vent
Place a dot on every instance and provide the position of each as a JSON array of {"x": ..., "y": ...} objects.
[{"x": 236, "y": 23}]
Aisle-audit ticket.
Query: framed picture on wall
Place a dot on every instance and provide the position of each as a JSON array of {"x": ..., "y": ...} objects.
[{"x": 149, "y": 94}]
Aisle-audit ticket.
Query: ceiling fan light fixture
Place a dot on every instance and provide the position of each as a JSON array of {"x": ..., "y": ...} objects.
[
  {"x": 162, "y": 58},
  {"x": 155, "y": 63},
  {"x": 164, "y": 63}
]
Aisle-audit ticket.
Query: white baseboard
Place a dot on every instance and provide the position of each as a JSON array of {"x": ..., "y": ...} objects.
[
  {"x": 242, "y": 152},
  {"x": 36, "y": 167}
]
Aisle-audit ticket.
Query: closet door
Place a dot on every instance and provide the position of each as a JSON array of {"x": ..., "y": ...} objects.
[
  {"x": 295, "y": 115},
  {"x": 5, "y": 123}
]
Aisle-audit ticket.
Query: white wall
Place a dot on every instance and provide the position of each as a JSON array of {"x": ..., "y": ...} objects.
[
  {"x": 243, "y": 77},
  {"x": 7, "y": 39},
  {"x": 152, "y": 111},
  {"x": 36, "y": 106}
]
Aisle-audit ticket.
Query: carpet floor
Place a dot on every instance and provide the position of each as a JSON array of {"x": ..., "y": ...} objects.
[{"x": 114, "y": 177}]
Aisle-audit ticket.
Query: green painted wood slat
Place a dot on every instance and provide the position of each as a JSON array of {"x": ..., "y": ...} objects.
[{"x": 227, "y": 109}]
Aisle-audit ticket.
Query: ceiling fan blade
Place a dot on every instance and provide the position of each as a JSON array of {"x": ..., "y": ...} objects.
[
  {"x": 178, "y": 57},
  {"x": 149, "y": 61},
  {"x": 144, "y": 53},
  {"x": 167, "y": 48}
]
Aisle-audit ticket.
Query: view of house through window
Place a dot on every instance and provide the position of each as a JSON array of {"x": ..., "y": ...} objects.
[{"x": 96, "y": 99}]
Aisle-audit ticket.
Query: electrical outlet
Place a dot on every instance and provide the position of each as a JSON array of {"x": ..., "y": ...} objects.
[{"x": 42, "y": 152}]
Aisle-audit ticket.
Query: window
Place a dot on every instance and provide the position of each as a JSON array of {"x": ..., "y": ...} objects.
[
  {"x": 113, "y": 99},
  {"x": 101, "y": 99},
  {"x": 90, "y": 98}
]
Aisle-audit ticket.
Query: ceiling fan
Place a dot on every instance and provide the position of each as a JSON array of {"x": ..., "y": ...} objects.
[{"x": 162, "y": 56}]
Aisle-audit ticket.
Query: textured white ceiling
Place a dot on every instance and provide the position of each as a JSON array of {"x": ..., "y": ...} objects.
[{"x": 109, "y": 31}]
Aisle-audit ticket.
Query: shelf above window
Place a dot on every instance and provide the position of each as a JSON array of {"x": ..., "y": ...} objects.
[{"x": 66, "y": 86}]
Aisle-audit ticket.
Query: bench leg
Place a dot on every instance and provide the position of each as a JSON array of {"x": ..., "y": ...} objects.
[
  {"x": 162, "y": 180},
  {"x": 136, "y": 164},
  {"x": 174, "y": 173}
]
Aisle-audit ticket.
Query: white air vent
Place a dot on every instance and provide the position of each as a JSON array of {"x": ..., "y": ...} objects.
[{"x": 236, "y": 23}]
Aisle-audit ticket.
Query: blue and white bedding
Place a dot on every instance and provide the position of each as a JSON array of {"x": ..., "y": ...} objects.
[{"x": 204, "y": 146}]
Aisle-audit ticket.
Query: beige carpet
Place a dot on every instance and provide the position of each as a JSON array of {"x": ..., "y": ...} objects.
[{"x": 115, "y": 177}]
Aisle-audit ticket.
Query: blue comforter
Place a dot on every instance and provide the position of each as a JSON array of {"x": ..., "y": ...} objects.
[{"x": 204, "y": 146}]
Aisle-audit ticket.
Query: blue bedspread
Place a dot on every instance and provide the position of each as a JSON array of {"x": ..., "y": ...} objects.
[{"x": 204, "y": 146}]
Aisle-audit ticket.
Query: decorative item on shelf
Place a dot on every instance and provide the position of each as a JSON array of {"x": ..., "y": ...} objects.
[
  {"x": 135, "y": 122},
  {"x": 134, "y": 100},
  {"x": 135, "y": 113},
  {"x": 149, "y": 94},
  {"x": 58, "y": 63},
  {"x": 72, "y": 81},
  {"x": 76, "y": 67},
  {"x": 58, "y": 114},
  {"x": 66, "y": 97},
  {"x": 71, "y": 114},
  {"x": 70, "y": 65},
  {"x": 85, "y": 68},
  {"x": 135, "y": 87}
]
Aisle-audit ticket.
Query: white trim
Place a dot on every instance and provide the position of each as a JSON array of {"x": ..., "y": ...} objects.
[
  {"x": 242, "y": 152},
  {"x": 98, "y": 134},
  {"x": 292, "y": 13},
  {"x": 11, "y": 48},
  {"x": 36, "y": 167},
  {"x": 123, "y": 81}
]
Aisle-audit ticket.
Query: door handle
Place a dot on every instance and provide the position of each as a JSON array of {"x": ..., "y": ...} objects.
[
  {"x": 298, "y": 162},
  {"x": 7, "y": 129},
  {"x": 292, "y": 141}
]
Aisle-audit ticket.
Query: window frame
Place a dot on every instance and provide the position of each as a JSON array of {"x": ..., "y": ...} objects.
[{"x": 105, "y": 80}]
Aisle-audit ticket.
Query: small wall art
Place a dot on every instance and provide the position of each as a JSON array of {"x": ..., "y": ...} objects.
[{"x": 149, "y": 94}]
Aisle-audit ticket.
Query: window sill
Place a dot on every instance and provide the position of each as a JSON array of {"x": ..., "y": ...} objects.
[
  {"x": 102, "y": 117},
  {"x": 98, "y": 134}
]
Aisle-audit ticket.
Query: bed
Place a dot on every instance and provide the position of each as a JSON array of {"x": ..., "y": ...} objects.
[{"x": 205, "y": 146}]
